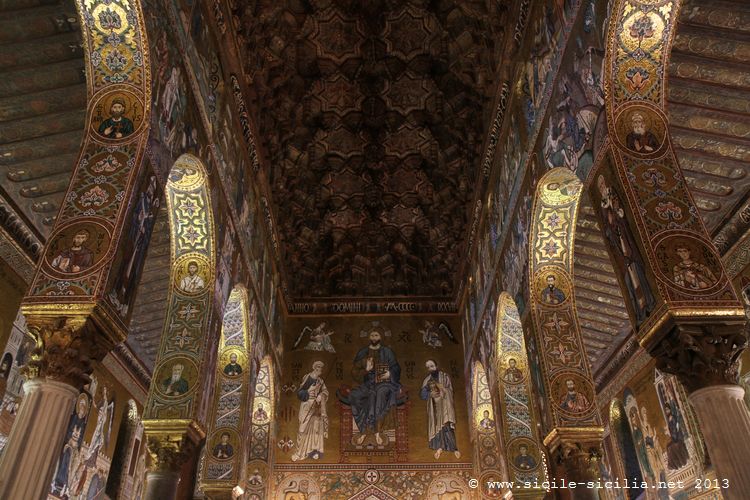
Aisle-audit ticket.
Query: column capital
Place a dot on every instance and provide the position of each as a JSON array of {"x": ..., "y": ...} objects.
[
  {"x": 68, "y": 340},
  {"x": 574, "y": 437},
  {"x": 700, "y": 351},
  {"x": 171, "y": 442}
]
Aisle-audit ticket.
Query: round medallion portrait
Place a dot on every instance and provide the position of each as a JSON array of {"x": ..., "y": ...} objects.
[
  {"x": 551, "y": 286},
  {"x": 233, "y": 362},
  {"x": 572, "y": 395},
  {"x": 513, "y": 368},
  {"x": 177, "y": 377},
  {"x": 484, "y": 420},
  {"x": 560, "y": 187},
  {"x": 223, "y": 444},
  {"x": 688, "y": 263},
  {"x": 641, "y": 130},
  {"x": 77, "y": 249},
  {"x": 191, "y": 274},
  {"x": 118, "y": 115},
  {"x": 523, "y": 454}
]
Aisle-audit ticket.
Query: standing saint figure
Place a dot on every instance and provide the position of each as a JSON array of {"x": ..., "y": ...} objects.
[
  {"x": 653, "y": 447},
  {"x": 378, "y": 372},
  {"x": 677, "y": 452},
  {"x": 192, "y": 282},
  {"x": 437, "y": 390},
  {"x": 313, "y": 416},
  {"x": 572, "y": 400},
  {"x": 77, "y": 258},
  {"x": 639, "y": 440},
  {"x": 625, "y": 250},
  {"x": 72, "y": 446},
  {"x": 691, "y": 274},
  {"x": 117, "y": 125}
]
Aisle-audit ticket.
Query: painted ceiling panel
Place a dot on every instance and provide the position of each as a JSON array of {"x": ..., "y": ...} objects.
[
  {"x": 42, "y": 106},
  {"x": 372, "y": 116},
  {"x": 604, "y": 321},
  {"x": 709, "y": 104}
]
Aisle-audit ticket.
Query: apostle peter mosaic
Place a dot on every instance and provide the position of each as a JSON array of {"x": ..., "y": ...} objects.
[
  {"x": 313, "y": 415},
  {"x": 437, "y": 390}
]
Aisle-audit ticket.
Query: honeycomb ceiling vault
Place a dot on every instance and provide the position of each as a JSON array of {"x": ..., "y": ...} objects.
[{"x": 372, "y": 116}]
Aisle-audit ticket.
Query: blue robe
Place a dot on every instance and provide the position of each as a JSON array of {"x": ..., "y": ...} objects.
[{"x": 371, "y": 400}]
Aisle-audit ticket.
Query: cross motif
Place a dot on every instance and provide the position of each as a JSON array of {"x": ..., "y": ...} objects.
[
  {"x": 372, "y": 476},
  {"x": 557, "y": 324},
  {"x": 551, "y": 248},
  {"x": 563, "y": 353},
  {"x": 188, "y": 311},
  {"x": 189, "y": 207},
  {"x": 192, "y": 235},
  {"x": 183, "y": 338}
]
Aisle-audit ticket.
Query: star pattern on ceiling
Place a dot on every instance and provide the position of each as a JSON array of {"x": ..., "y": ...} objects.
[{"x": 372, "y": 116}]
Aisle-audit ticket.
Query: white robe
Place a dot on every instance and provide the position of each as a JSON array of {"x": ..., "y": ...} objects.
[
  {"x": 440, "y": 410},
  {"x": 313, "y": 420},
  {"x": 192, "y": 284}
]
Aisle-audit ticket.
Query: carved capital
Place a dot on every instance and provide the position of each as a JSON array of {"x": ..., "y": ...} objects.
[
  {"x": 580, "y": 459},
  {"x": 171, "y": 443},
  {"x": 169, "y": 451},
  {"x": 65, "y": 349},
  {"x": 701, "y": 355}
]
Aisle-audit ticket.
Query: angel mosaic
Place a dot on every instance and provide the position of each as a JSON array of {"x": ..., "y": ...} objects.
[
  {"x": 320, "y": 338},
  {"x": 431, "y": 334}
]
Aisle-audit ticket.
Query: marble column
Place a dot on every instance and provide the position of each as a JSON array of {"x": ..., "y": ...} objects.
[
  {"x": 162, "y": 485},
  {"x": 59, "y": 368},
  {"x": 724, "y": 420},
  {"x": 33, "y": 449},
  {"x": 705, "y": 358},
  {"x": 577, "y": 463},
  {"x": 172, "y": 445}
]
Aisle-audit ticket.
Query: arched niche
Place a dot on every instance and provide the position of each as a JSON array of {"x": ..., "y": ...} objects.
[
  {"x": 175, "y": 391},
  {"x": 623, "y": 440},
  {"x": 228, "y": 424},
  {"x": 523, "y": 451}
]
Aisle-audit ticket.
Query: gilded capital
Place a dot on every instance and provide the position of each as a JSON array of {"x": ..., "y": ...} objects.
[
  {"x": 701, "y": 355},
  {"x": 171, "y": 443},
  {"x": 66, "y": 347},
  {"x": 169, "y": 451}
]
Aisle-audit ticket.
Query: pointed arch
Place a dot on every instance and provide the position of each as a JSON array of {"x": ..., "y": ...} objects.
[
  {"x": 645, "y": 441},
  {"x": 484, "y": 428},
  {"x": 627, "y": 457},
  {"x": 228, "y": 424},
  {"x": 262, "y": 416},
  {"x": 175, "y": 385},
  {"x": 514, "y": 385},
  {"x": 567, "y": 375}
]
